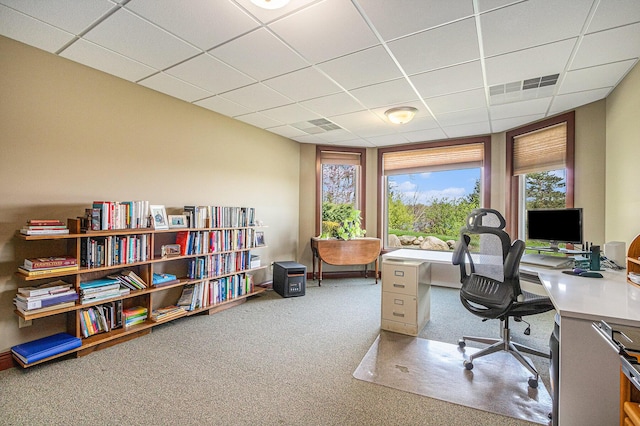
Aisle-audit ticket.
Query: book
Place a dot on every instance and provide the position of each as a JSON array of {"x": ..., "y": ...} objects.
[
  {"x": 45, "y": 222},
  {"x": 45, "y": 302},
  {"x": 46, "y": 288},
  {"x": 47, "y": 309},
  {"x": 98, "y": 283},
  {"x": 49, "y": 262},
  {"x": 36, "y": 272},
  {"x": 27, "y": 231},
  {"x": 40, "y": 349}
]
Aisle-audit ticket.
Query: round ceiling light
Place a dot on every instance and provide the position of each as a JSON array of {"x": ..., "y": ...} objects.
[
  {"x": 401, "y": 115},
  {"x": 270, "y": 4}
]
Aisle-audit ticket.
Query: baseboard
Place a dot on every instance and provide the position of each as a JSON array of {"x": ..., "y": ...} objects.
[
  {"x": 6, "y": 361},
  {"x": 343, "y": 274}
]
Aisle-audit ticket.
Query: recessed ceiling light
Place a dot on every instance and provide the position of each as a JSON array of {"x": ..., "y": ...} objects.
[
  {"x": 400, "y": 115},
  {"x": 270, "y": 4}
]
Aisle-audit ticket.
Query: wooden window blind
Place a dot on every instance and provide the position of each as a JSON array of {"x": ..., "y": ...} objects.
[
  {"x": 343, "y": 158},
  {"x": 539, "y": 151},
  {"x": 433, "y": 159}
]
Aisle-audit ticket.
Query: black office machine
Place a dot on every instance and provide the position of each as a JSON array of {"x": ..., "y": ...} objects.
[{"x": 289, "y": 278}]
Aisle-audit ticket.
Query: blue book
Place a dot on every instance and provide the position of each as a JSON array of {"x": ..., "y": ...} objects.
[
  {"x": 39, "y": 349},
  {"x": 99, "y": 283},
  {"x": 161, "y": 278}
]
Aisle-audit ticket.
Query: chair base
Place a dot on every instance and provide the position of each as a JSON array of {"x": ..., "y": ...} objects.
[{"x": 505, "y": 344}]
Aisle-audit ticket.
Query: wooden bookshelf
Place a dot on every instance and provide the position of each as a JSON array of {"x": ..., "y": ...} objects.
[
  {"x": 633, "y": 259},
  {"x": 152, "y": 297}
]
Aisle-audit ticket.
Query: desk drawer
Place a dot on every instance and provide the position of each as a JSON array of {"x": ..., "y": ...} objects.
[
  {"x": 400, "y": 278},
  {"x": 399, "y": 307}
]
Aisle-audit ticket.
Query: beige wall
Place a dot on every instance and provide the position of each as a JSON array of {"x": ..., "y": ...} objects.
[
  {"x": 623, "y": 159},
  {"x": 71, "y": 135}
]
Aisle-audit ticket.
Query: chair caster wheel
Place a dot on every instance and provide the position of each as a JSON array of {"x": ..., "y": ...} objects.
[
  {"x": 468, "y": 365},
  {"x": 462, "y": 343},
  {"x": 533, "y": 382}
]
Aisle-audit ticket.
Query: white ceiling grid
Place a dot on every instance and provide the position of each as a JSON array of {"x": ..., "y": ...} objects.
[{"x": 347, "y": 61}]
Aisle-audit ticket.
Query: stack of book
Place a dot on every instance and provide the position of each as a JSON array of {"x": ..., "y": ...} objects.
[
  {"x": 160, "y": 280},
  {"x": 133, "y": 316},
  {"x": 119, "y": 215},
  {"x": 100, "y": 289},
  {"x": 44, "y": 227},
  {"x": 46, "y": 297},
  {"x": 48, "y": 265},
  {"x": 166, "y": 313},
  {"x": 46, "y": 347},
  {"x": 129, "y": 279},
  {"x": 101, "y": 318}
]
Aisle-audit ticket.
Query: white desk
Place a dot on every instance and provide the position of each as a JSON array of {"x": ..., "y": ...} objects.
[{"x": 589, "y": 385}]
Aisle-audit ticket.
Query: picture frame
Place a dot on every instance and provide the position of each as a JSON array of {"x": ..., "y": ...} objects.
[
  {"x": 259, "y": 239},
  {"x": 159, "y": 217},
  {"x": 178, "y": 221},
  {"x": 169, "y": 250}
]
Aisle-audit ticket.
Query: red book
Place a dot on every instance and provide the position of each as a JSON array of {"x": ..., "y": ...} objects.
[
  {"x": 45, "y": 222},
  {"x": 49, "y": 262},
  {"x": 182, "y": 238}
]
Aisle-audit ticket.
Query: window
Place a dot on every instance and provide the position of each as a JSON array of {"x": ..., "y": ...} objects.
[
  {"x": 428, "y": 190},
  {"x": 340, "y": 177},
  {"x": 540, "y": 160}
]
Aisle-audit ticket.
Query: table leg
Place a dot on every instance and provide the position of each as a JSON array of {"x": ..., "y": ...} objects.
[{"x": 319, "y": 272}]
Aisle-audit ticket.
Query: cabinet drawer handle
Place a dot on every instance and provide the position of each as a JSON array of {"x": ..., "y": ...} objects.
[
  {"x": 398, "y": 285},
  {"x": 398, "y": 302},
  {"x": 398, "y": 314},
  {"x": 398, "y": 273}
]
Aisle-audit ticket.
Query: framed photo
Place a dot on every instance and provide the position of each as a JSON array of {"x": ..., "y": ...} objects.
[
  {"x": 259, "y": 238},
  {"x": 178, "y": 221},
  {"x": 159, "y": 217},
  {"x": 169, "y": 250}
]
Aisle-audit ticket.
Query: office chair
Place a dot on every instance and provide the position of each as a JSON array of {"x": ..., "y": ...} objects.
[{"x": 491, "y": 287}]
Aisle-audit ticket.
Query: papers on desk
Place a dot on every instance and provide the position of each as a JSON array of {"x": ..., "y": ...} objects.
[{"x": 634, "y": 277}]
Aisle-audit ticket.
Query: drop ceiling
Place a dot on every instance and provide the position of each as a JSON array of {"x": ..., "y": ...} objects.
[{"x": 324, "y": 71}]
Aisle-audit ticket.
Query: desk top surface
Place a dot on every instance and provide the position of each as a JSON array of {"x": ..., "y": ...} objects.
[{"x": 610, "y": 298}]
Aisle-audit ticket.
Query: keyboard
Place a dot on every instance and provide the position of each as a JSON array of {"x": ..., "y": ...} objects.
[{"x": 555, "y": 262}]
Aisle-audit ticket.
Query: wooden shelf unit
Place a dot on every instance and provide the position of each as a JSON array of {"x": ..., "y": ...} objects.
[{"x": 150, "y": 297}]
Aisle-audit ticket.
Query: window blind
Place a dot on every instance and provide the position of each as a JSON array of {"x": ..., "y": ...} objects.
[
  {"x": 343, "y": 158},
  {"x": 433, "y": 159},
  {"x": 539, "y": 151}
]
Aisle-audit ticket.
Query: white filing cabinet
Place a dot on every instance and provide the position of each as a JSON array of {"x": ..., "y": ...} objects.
[{"x": 406, "y": 295}]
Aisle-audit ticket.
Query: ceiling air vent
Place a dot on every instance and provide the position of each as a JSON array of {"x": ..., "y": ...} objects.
[
  {"x": 313, "y": 127},
  {"x": 532, "y": 88}
]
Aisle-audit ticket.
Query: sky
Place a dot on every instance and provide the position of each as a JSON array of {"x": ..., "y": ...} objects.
[{"x": 449, "y": 184}]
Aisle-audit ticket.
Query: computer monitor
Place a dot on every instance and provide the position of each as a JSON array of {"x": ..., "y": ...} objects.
[{"x": 555, "y": 226}]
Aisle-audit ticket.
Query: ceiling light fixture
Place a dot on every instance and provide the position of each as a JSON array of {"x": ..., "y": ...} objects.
[
  {"x": 270, "y": 4},
  {"x": 401, "y": 115}
]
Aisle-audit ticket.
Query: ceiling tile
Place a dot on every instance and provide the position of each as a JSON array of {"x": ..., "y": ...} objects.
[
  {"x": 337, "y": 104},
  {"x": 258, "y": 120},
  {"x": 449, "y": 80},
  {"x": 505, "y": 124},
  {"x": 595, "y": 77},
  {"x": 358, "y": 143},
  {"x": 303, "y": 84},
  {"x": 506, "y": 30},
  {"x": 290, "y": 114},
  {"x": 69, "y": 15},
  {"x": 286, "y": 131},
  {"x": 418, "y": 123},
  {"x": 98, "y": 57},
  {"x": 467, "y": 116},
  {"x": 425, "y": 135},
  {"x": 393, "y": 20},
  {"x": 255, "y": 53},
  {"x": 325, "y": 30},
  {"x": 425, "y": 52},
  {"x": 388, "y": 93},
  {"x": 336, "y": 136},
  {"x": 519, "y": 109},
  {"x": 257, "y": 97},
  {"x": 386, "y": 140},
  {"x": 223, "y": 106},
  {"x": 530, "y": 63},
  {"x": 203, "y": 23},
  {"x": 211, "y": 74},
  {"x": 621, "y": 43},
  {"x": 362, "y": 68},
  {"x": 485, "y": 5},
  {"x": 173, "y": 87},
  {"x": 616, "y": 13},
  {"x": 28, "y": 30},
  {"x": 569, "y": 101},
  {"x": 458, "y": 101},
  {"x": 131, "y": 36},
  {"x": 362, "y": 121},
  {"x": 465, "y": 130}
]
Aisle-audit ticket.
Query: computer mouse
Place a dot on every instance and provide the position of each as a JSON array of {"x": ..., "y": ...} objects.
[{"x": 590, "y": 274}]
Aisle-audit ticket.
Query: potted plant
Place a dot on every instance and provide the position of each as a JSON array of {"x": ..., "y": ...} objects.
[{"x": 341, "y": 221}]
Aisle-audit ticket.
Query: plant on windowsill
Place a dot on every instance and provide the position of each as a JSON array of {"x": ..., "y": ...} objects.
[{"x": 341, "y": 221}]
